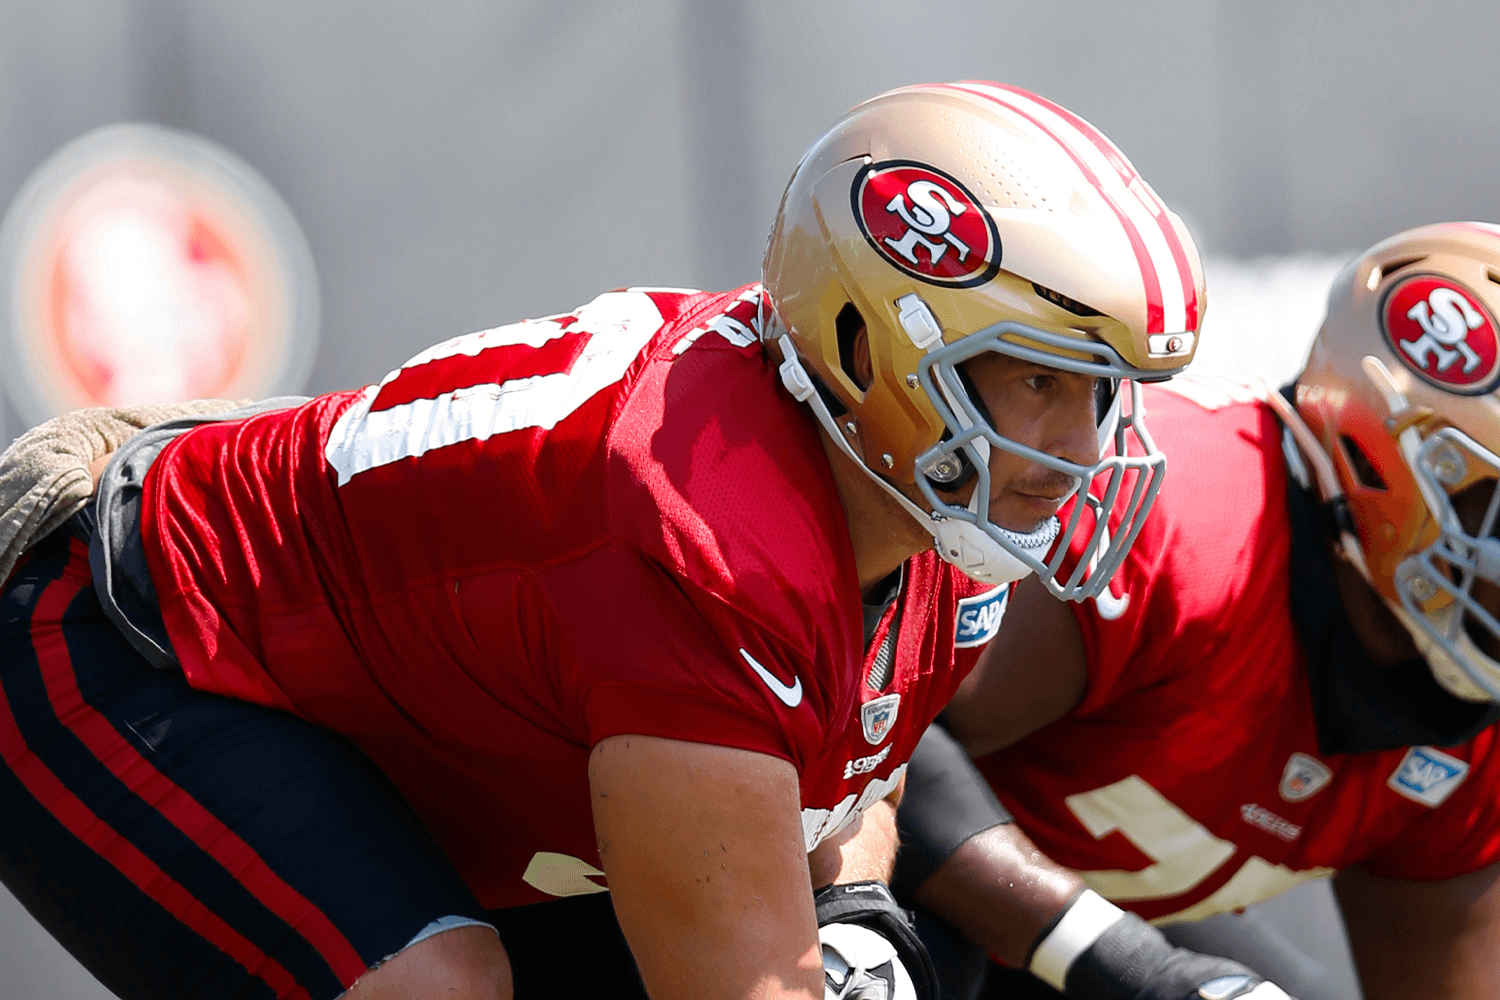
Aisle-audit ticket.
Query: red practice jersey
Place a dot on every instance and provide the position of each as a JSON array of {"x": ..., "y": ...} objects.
[
  {"x": 1189, "y": 780},
  {"x": 532, "y": 538}
]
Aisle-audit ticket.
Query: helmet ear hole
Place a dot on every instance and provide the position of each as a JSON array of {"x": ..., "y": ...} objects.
[
  {"x": 1364, "y": 470},
  {"x": 848, "y": 325},
  {"x": 950, "y": 475}
]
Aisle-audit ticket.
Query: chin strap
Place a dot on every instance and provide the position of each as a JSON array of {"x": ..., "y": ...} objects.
[
  {"x": 1454, "y": 679},
  {"x": 800, "y": 385}
]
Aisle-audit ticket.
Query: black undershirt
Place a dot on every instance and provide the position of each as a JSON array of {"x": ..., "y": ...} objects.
[{"x": 1358, "y": 705}]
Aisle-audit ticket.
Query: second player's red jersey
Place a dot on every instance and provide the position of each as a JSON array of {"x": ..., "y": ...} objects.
[
  {"x": 530, "y": 539},
  {"x": 1189, "y": 780}
]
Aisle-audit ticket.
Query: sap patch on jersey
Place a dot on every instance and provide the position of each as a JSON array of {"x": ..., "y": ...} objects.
[
  {"x": 1427, "y": 776},
  {"x": 979, "y": 617}
]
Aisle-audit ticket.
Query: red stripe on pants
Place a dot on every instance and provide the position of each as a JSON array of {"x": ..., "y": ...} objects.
[
  {"x": 102, "y": 839},
  {"x": 183, "y": 811}
]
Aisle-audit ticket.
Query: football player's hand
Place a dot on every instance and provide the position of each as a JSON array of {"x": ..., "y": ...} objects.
[
  {"x": 870, "y": 951},
  {"x": 1096, "y": 951}
]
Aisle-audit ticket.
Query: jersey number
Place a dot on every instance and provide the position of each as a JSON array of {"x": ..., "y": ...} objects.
[
  {"x": 1183, "y": 850},
  {"x": 619, "y": 324}
]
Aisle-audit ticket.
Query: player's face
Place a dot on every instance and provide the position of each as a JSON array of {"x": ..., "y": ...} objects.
[{"x": 1046, "y": 409}]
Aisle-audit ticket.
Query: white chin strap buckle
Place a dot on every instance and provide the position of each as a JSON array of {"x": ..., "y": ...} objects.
[
  {"x": 918, "y": 322},
  {"x": 796, "y": 379}
]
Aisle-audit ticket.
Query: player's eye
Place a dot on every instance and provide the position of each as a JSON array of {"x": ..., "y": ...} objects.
[{"x": 1040, "y": 383}]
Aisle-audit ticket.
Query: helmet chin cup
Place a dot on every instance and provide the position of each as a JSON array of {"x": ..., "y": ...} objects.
[
  {"x": 977, "y": 556},
  {"x": 982, "y": 556}
]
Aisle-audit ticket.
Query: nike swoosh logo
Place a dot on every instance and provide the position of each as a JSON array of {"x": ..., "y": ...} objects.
[
  {"x": 1111, "y": 607},
  {"x": 790, "y": 695}
]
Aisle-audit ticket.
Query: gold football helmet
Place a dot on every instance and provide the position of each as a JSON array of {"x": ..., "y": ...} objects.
[
  {"x": 1400, "y": 392},
  {"x": 952, "y": 219}
]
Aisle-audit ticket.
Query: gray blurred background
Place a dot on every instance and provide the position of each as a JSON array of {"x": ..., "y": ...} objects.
[{"x": 455, "y": 165}]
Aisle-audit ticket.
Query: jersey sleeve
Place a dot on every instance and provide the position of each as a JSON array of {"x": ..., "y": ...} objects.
[
  {"x": 1460, "y": 836},
  {"x": 650, "y": 653}
]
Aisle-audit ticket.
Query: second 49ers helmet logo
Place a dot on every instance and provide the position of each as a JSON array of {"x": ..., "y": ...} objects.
[
  {"x": 925, "y": 223},
  {"x": 1443, "y": 333}
]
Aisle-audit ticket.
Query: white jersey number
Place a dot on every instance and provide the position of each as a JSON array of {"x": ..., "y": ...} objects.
[
  {"x": 1183, "y": 850},
  {"x": 619, "y": 324}
]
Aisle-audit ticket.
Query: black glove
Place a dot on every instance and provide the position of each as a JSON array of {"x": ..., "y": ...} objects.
[
  {"x": 870, "y": 951},
  {"x": 1096, "y": 951}
]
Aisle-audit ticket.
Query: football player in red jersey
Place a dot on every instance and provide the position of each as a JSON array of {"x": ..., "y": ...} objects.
[
  {"x": 1293, "y": 676},
  {"x": 656, "y": 597}
]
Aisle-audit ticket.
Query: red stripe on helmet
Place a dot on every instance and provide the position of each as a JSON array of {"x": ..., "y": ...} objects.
[
  {"x": 1151, "y": 283},
  {"x": 1112, "y": 153}
]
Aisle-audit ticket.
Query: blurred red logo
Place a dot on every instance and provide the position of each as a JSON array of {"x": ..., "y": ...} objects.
[
  {"x": 144, "y": 265},
  {"x": 926, "y": 224},
  {"x": 1441, "y": 331}
]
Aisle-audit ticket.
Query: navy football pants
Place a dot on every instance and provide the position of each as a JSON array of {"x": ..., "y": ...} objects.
[{"x": 183, "y": 845}]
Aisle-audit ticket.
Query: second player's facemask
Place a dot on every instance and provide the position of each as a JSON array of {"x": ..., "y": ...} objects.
[
  {"x": 1436, "y": 585},
  {"x": 966, "y": 536}
]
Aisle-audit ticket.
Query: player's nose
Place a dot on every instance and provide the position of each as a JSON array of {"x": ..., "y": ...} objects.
[{"x": 1071, "y": 425}]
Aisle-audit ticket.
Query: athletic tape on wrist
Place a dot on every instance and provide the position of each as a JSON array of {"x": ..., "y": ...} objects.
[{"x": 1089, "y": 916}]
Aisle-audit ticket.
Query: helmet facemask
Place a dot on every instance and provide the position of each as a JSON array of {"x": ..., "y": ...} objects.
[
  {"x": 1436, "y": 584},
  {"x": 965, "y": 534}
]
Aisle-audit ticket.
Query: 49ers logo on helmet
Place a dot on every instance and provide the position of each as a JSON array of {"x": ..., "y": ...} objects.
[
  {"x": 1443, "y": 333},
  {"x": 925, "y": 223}
]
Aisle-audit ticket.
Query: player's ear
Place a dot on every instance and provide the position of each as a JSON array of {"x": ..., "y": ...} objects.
[
  {"x": 864, "y": 369},
  {"x": 854, "y": 346}
]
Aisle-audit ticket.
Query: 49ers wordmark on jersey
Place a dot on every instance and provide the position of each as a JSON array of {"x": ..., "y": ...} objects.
[
  {"x": 1443, "y": 333},
  {"x": 926, "y": 223}
]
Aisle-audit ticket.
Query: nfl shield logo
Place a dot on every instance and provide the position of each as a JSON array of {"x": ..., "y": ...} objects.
[
  {"x": 879, "y": 716},
  {"x": 1304, "y": 777}
]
